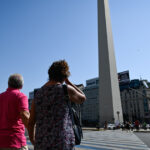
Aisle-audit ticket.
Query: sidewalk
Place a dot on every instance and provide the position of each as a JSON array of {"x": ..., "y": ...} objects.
[{"x": 143, "y": 131}]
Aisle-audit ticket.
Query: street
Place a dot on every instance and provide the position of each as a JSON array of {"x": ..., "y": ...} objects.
[
  {"x": 144, "y": 136},
  {"x": 112, "y": 140}
]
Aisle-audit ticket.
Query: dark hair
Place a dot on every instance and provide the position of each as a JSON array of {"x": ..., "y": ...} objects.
[
  {"x": 59, "y": 71},
  {"x": 15, "y": 81}
]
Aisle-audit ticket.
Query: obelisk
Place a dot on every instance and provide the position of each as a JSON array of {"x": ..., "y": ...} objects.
[{"x": 110, "y": 108}]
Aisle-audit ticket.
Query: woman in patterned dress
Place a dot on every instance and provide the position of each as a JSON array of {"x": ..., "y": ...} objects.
[{"x": 50, "y": 112}]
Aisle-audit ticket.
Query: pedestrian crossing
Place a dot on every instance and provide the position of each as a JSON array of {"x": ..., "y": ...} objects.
[
  {"x": 111, "y": 140},
  {"x": 108, "y": 140}
]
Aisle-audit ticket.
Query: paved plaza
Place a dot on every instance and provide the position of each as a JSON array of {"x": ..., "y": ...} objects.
[{"x": 109, "y": 140}]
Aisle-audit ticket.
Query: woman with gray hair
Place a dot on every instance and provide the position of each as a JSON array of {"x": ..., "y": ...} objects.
[{"x": 14, "y": 115}]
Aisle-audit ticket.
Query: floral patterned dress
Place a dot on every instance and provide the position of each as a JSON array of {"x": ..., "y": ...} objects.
[{"x": 53, "y": 124}]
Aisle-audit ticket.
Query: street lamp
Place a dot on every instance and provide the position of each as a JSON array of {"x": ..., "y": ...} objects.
[{"x": 118, "y": 115}]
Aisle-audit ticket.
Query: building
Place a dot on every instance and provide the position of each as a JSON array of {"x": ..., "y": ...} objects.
[
  {"x": 135, "y": 100},
  {"x": 90, "y": 108},
  {"x": 31, "y": 97}
]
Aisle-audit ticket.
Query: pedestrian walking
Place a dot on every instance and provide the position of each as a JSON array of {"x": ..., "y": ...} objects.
[
  {"x": 144, "y": 125},
  {"x": 50, "y": 112},
  {"x": 105, "y": 125},
  {"x": 132, "y": 126},
  {"x": 136, "y": 124},
  {"x": 127, "y": 126},
  {"x": 14, "y": 115}
]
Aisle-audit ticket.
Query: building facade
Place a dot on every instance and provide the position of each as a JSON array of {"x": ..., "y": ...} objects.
[
  {"x": 90, "y": 108},
  {"x": 135, "y": 101},
  {"x": 31, "y": 97}
]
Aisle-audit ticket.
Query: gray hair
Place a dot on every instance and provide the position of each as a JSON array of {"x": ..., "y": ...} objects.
[{"x": 15, "y": 81}]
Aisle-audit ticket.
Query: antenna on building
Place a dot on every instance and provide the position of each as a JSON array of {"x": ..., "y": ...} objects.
[{"x": 140, "y": 78}]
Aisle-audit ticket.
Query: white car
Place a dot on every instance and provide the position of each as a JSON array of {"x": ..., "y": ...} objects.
[
  {"x": 111, "y": 126},
  {"x": 148, "y": 126}
]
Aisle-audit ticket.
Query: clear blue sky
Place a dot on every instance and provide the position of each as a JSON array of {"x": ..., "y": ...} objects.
[{"x": 34, "y": 33}]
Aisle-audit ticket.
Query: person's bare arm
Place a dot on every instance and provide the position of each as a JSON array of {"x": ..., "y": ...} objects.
[
  {"x": 25, "y": 117},
  {"x": 32, "y": 123},
  {"x": 75, "y": 94}
]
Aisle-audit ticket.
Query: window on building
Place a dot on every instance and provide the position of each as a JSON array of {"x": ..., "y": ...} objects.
[{"x": 145, "y": 105}]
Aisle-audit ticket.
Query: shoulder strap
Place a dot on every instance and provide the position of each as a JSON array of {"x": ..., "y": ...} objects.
[
  {"x": 65, "y": 90},
  {"x": 68, "y": 102}
]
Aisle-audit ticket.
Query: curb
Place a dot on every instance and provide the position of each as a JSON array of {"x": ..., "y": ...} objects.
[
  {"x": 92, "y": 129},
  {"x": 142, "y": 131}
]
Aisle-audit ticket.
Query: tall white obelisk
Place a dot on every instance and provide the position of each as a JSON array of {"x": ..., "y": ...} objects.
[{"x": 110, "y": 108}]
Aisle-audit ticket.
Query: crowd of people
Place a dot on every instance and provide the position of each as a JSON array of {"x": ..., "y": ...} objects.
[
  {"x": 49, "y": 122},
  {"x": 135, "y": 125},
  {"x": 130, "y": 125},
  {"x": 127, "y": 125}
]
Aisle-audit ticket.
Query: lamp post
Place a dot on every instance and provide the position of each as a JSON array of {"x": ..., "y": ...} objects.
[{"x": 118, "y": 115}]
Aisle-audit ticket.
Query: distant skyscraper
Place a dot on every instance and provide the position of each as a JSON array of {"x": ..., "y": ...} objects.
[{"x": 110, "y": 109}]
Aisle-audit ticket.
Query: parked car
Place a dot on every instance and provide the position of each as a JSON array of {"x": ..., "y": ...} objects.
[
  {"x": 111, "y": 126},
  {"x": 148, "y": 126}
]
